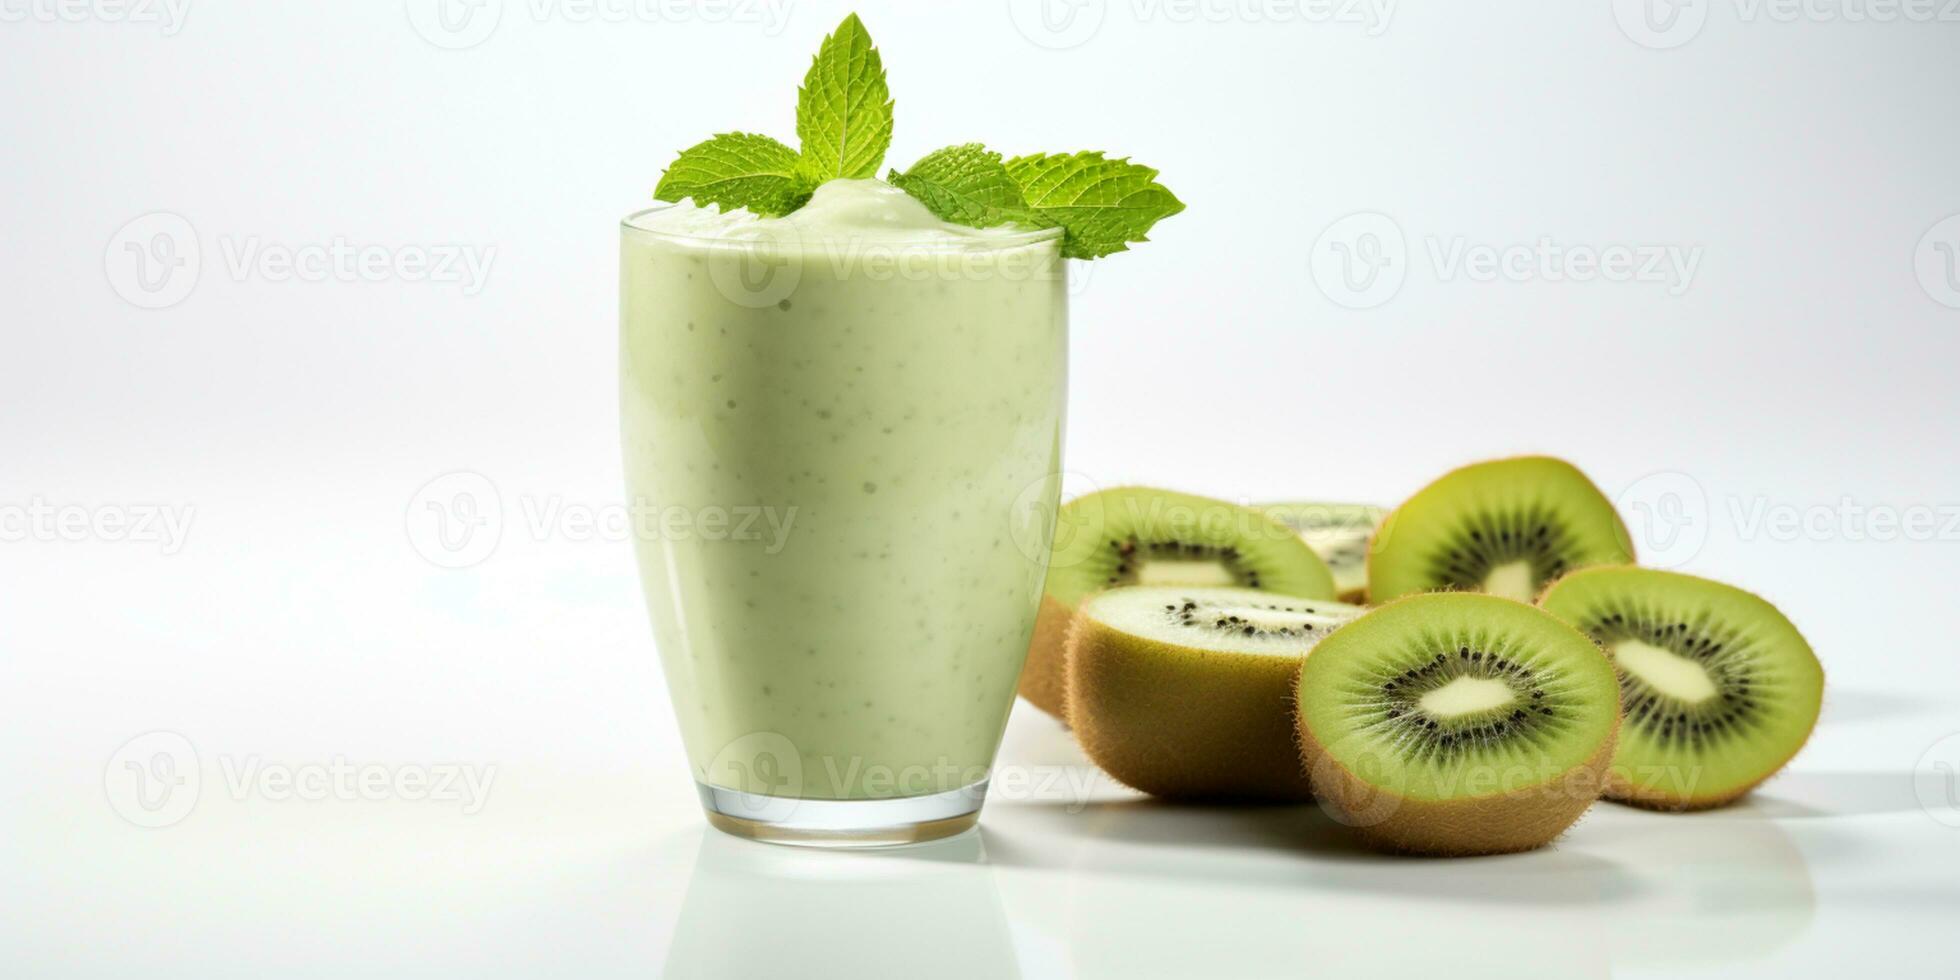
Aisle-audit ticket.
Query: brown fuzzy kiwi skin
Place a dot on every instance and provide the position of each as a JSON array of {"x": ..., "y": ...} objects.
[
  {"x": 1619, "y": 789},
  {"x": 1044, "y": 681},
  {"x": 1521, "y": 820},
  {"x": 1183, "y": 724}
]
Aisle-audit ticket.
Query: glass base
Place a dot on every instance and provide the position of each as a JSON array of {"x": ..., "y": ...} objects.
[{"x": 843, "y": 823}]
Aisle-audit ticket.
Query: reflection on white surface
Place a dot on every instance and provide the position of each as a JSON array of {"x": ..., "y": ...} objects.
[
  {"x": 616, "y": 874},
  {"x": 760, "y": 910}
]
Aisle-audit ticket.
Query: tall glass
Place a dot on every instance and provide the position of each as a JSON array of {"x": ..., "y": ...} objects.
[{"x": 843, "y": 458}]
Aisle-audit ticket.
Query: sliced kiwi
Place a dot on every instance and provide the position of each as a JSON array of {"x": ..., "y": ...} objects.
[
  {"x": 1140, "y": 536},
  {"x": 1188, "y": 692},
  {"x": 1506, "y": 527},
  {"x": 1457, "y": 724},
  {"x": 1339, "y": 534},
  {"x": 1720, "y": 689}
]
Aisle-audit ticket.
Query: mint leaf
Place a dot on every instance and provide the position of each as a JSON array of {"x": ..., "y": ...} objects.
[
  {"x": 1103, "y": 204},
  {"x": 844, "y": 110},
  {"x": 737, "y": 170},
  {"x": 966, "y": 185}
]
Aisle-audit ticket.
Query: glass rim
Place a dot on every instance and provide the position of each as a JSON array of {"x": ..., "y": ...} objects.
[{"x": 1002, "y": 242}]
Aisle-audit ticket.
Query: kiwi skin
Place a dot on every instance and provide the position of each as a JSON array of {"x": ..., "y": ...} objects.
[
  {"x": 1520, "y": 820},
  {"x": 1044, "y": 675},
  {"x": 1503, "y": 824},
  {"x": 1220, "y": 725},
  {"x": 1620, "y": 788},
  {"x": 1044, "y": 680}
]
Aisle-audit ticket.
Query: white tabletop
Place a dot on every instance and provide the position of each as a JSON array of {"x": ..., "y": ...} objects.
[{"x": 580, "y": 850}]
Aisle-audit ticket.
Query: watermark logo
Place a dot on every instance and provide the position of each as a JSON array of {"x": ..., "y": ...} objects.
[
  {"x": 1362, "y": 803},
  {"x": 760, "y": 271},
  {"x": 1660, "y": 24},
  {"x": 456, "y": 520},
  {"x": 766, "y": 769},
  {"x": 167, "y": 15},
  {"x": 1936, "y": 261},
  {"x": 1667, "y": 517},
  {"x": 1037, "y": 524},
  {"x": 154, "y": 261},
  {"x": 153, "y": 780},
  {"x": 1664, "y": 24},
  {"x": 156, "y": 779},
  {"x": 763, "y": 777},
  {"x": 1936, "y": 780},
  {"x": 1057, "y": 24},
  {"x": 455, "y": 25},
  {"x": 1359, "y": 262}
]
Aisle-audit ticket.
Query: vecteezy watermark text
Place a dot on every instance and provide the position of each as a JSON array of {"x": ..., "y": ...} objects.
[
  {"x": 164, "y": 525},
  {"x": 460, "y": 24},
  {"x": 156, "y": 260},
  {"x": 156, "y": 779},
  {"x": 458, "y": 519},
  {"x": 166, "y": 15},
  {"x": 1361, "y": 261},
  {"x": 1664, "y": 24},
  {"x": 1670, "y": 515},
  {"x": 1060, "y": 24}
]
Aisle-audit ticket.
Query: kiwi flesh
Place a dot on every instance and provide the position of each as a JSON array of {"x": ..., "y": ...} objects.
[
  {"x": 1457, "y": 723},
  {"x": 1507, "y": 527},
  {"x": 1339, "y": 534},
  {"x": 1141, "y": 536},
  {"x": 1187, "y": 693},
  {"x": 1719, "y": 687}
]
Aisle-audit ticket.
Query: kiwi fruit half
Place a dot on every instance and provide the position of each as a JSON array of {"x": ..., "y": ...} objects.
[
  {"x": 1506, "y": 527},
  {"x": 1720, "y": 689},
  {"x": 1457, "y": 723},
  {"x": 1188, "y": 692},
  {"x": 1339, "y": 534},
  {"x": 1139, "y": 536}
]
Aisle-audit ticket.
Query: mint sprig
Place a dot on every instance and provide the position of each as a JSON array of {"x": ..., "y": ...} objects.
[
  {"x": 738, "y": 170},
  {"x": 966, "y": 185},
  {"x": 1105, "y": 205},
  {"x": 844, "y": 123},
  {"x": 844, "y": 109}
]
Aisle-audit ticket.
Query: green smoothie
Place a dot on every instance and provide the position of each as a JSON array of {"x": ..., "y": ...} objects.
[{"x": 844, "y": 427}]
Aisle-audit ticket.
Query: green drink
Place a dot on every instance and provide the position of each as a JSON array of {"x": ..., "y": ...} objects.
[
  {"x": 842, "y": 405},
  {"x": 850, "y": 419}
]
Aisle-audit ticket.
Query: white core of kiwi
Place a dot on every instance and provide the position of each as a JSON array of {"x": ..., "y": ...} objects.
[
  {"x": 1512, "y": 580},
  {"x": 1152, "y": 613},
  {"x": 1162, "y": 571},
  {"x": 1665, "y": 671},
  {"x": 1466, "y": 696}
]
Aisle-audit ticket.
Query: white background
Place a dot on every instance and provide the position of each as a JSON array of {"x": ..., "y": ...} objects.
[{"x": 1802, "y": 373}]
